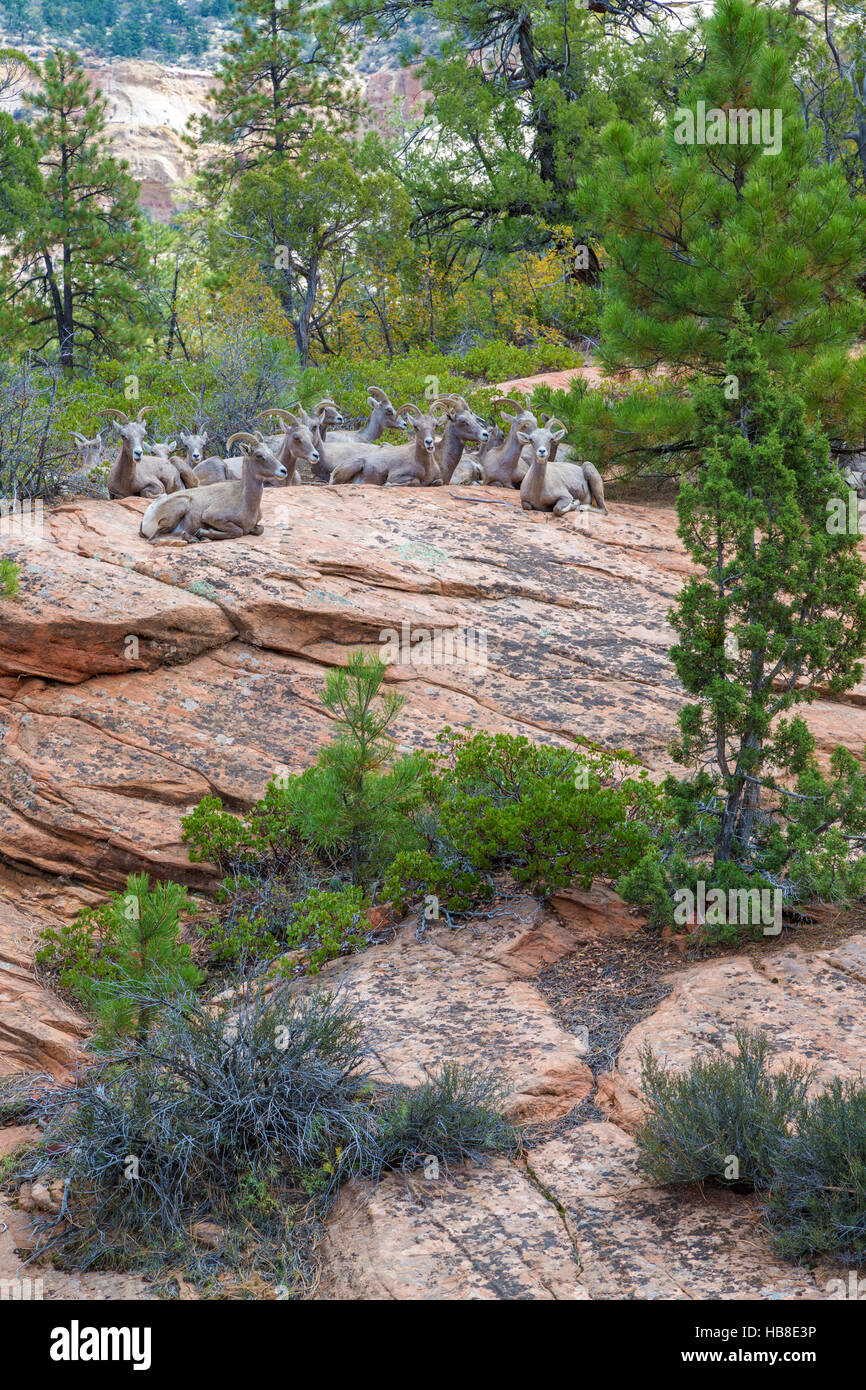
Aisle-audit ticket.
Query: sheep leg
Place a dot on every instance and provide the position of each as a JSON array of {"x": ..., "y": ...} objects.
[
  {"x": 563, "y": 505},
  {"x": 227, "y": 531},
  {"x": 152, "y": 489}
]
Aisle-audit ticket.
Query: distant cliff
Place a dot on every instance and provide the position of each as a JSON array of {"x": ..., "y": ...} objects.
[{"x": 149, "y": 105}]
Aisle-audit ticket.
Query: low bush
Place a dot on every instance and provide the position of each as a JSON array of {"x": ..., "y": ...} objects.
[
  {"x": 545, "y": 816},
  {"x": 817, "y": 1199},
  {"x": 730, "y": 1120},
  {"x": 722, "y": 1118},
  {"x": 251, "y": 1110},
  {"x": 9, "y": 582},
  {"x": 302, "y": 863}
]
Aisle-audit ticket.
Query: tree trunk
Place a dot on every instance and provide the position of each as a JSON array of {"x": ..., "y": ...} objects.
[{"x": 302, "y": 327}]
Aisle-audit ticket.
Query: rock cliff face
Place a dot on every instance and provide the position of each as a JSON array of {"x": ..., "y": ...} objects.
[
  {"x": 136, "y": 679},
  {"x": 149, "y": 106}
]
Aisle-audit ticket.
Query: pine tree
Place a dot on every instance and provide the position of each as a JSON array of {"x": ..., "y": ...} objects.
[
  {"x": 282, "y": 78},
  {"x": 778, "y": 612},
  {"x": 695, "y": 229},
  {"x": 146, "y": 952},
  {"x": 75, "y": 265}
]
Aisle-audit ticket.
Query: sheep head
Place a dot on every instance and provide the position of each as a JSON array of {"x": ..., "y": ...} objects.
[
  {"x": 89, "y": 449},
  {"x": 194, "y": 445},
  {"x": 423, "y": 424},
  {"x": 466, "y": 424},
  {"x": 132, "y": 432},
  {"x": 298, "y": 439},
  {"x": 542, "y": 437},
  {"x": 382, "y": 408},
  {"x": 263, "y": 461}
]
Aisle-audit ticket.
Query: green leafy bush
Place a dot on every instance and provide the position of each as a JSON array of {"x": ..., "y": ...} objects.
[
  {"x": 329, "y": 921},
  {"x": 547, "y": 816},
  {"x": 817, "y": 1200},
  {"x": 722, "y": 1119},
  {"x": 110, "y": 950},
  {"x": 288, "y": 860},
  {"x": 9, "y": 573}
]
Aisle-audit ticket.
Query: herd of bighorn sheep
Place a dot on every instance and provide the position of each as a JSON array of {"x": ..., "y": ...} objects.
[{"x": 201, "y": 496}]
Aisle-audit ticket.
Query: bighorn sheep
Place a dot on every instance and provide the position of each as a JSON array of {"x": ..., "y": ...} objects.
[
  {"x": 557, "y": 487},
  {"x": 462, "y": 426},
  {"x": 398, "y": 465},
  {"x": 136, "y": 474},
  {"x": 325, "y": 415},
  {"x": 504, "y": 467},
  {"x": 470, "y": 469},
  {"x": 221, "y": 511},
  {"x": 382, "y": 417},
  {"x": 298, "y": 443},
  {"x": 90, "y": 450}
]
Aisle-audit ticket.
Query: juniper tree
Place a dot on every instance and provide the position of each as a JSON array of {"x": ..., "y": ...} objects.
[{"x": 777, "y": 612}]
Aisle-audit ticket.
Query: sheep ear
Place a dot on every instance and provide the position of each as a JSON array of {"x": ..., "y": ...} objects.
[
  {"x": 172, "y": 445},
  {"x": 558, "y": 434},
  {"x": 523, "y": 437},
  {"x": 204, "y": 436},
  {"x": 371, "y": 403},
  {"x": 184, "y": 437}
]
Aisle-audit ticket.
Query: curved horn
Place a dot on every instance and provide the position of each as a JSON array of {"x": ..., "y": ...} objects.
[
  {"x": 245, "y": 436},
  {"x": 118, "y": 414},
  {"x": 506, "y": 400},
  {"x": 327, "y": 401},
  {"x": 378, "y": 394},
  {"x": 145, "y": 410},
  {"x": 79, "y": 437},
  {"x": 281, "y": 415},
  {"x": 554, "y": 424},
  {"x": 411, "y": 408}
]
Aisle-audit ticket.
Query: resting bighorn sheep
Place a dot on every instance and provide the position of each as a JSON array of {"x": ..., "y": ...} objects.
[
  {"x": 325, "y": 414},
  {"x": 382, "y": 417},
  {"x": 221, "y": 511},
  {"x": 398, "y": 465},
  {"x": 462, "y": 426},
  {"x": 136, "y": 474},
  {"x": 298, "y": 443},
  {"x": 90, "y": 450},
  {"x": 504, "y": 467},
  {"x": 556, "y": 487}
]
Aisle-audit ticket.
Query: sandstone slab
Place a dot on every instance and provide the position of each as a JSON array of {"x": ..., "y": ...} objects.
[
  {"x": 480, "y": 1233},
  {"x": 637, "y": 1241},
  {"x": 426, "y": 1002},
  {"x": 810, "y": 1004}
]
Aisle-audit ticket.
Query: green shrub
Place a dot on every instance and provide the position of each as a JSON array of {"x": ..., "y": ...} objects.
[
  {"x": 546, "y": 816},
  {"x": 345, "y": 818},
  {"x": 9, "y": 573},
  {"x": 329, "y": 922},
  {"x": 817, "y": 1200},
  {"x": 454, "y": 1117},
  {"x": 111, "y": 950},
  {"x": 722, "y": 1119}
]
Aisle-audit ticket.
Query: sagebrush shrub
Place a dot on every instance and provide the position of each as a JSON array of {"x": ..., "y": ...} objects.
[
  {"x": 248, "y": 1107},
  {"x": 722, "y": 1118},
  {"x": 817, "y": 1199}
]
